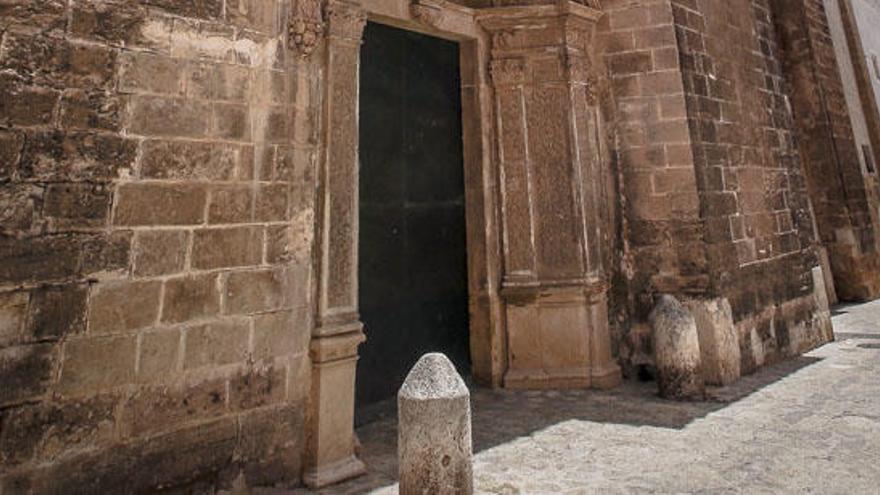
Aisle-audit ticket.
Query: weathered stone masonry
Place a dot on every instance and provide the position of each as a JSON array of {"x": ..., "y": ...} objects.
[
  {"x": 157, "y": 209},
  {"x": 178, "y": 215}
]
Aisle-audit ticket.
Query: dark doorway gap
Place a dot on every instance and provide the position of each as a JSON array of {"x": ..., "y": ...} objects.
[{"x": 412, "y": 245}]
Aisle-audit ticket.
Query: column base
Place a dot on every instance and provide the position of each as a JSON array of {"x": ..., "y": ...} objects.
[
  {"x": 526, "y": 379},
  {"x": 606, "y": 377},
  {"x": 330, "y": 474}
]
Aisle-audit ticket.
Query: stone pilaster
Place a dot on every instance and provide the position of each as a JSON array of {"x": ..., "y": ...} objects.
[
  {"x": 554, "y": 282},
  {"x": 338, "y": 332}
]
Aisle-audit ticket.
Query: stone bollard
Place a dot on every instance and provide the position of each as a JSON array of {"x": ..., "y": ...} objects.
[
  {"x": 719, "y": 340},
  {"x": 677, "y": 351},
  {"x": 434, "y": 430}
]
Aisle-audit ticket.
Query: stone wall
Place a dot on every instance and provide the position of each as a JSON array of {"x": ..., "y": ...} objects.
[
  {"x": 717, "y": 204},
  {"x": 156, "y": 160},
  {"x": 842, "y": 197},
  {"x": 658, "y": 188},
  {"x": 754, "y": 201}
]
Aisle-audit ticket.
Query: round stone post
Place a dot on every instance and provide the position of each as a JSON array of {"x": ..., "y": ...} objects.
[
  {"x": 677, "y": 350},
  {"x": 434, "y": 430}
]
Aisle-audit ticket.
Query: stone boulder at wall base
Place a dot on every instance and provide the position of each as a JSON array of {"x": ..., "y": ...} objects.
[
  {"x": 677, "y": 350},
  {"x": 719, "y": 344},
  {"x": 434, "y": 432}
]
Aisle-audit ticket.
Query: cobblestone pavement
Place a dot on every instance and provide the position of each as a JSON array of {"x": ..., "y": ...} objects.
[{"x": 809, "y": 425}]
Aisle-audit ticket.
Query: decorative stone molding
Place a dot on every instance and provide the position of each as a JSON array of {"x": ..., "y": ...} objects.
[
  {"x": 346, "y": 20},
  {"x": 554, "y": 283},
  {"x": 338, "y": 332},
  {"x": 579, "y": 69},
  {"x": 428, "y": 15},
  {"x": 306, "y": 26},
  {"x": 507, "y": 71}
]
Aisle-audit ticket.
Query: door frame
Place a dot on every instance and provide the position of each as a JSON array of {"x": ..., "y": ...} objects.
[{"x": 338, "y": 331}]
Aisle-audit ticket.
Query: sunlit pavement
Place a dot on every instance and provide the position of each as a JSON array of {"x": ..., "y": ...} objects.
[{"x": 808, "y": 425}]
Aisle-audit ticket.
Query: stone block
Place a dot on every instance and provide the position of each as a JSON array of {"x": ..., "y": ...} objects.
[
  {"x": 199, "y": 77},
  {"x": 279, "y": 127},
  {"x": 47, "y": 15},
  {"x": 45, "y": 431},
  {"x": 50, "y": 61},
  {"x": 188, "y": 160},
  {"x": 718, "y": 338},
  {"x": 158, "y": 354},
  {"x": 631, "y": 62},
  {"x": 231, "y": 82},
  {"x": 231, "y": 121},
  {"x": 122, "y": 306},
  {"x": 227, "y": 247},
  {"x": 189, "y": 298},
  {"x": 13, "y": 316},
  {"x": 434, "y": 430},
  {"x": 10, "y": 153},
  {"x": 281, "y": 334},
  {"x": 270, "y": 444},
  {"x": 54, "y": 156},
  {"x": 199, "y": 9},
  {"x": 58, "y": 311},
  {"x": 104, "y": 254},
  {"x": 676, "y": 350},
  {"x": 19, "y": 204},
  {"x": 231, "y": 204},
  {"x": 278, "y": 244},
  {"x": 162, "y": 408},
  {"x": 295, "y": 165},
  {"x": 159, "y": 252},
  {"x": 144, "y": 72},
  {"x": 97, "y": 363},
  {"x": 87, "y": 110},
  {"x": 26, "y": 106},
  {"x": 246, "y": 163},
  {"x": 160, "y": 204},
  {"x": 273, "y": 84},
  {"x": 119, "y": 23},
  {"x": 216, "y": 343},
  {"x": 272, "y": 202},
  {"x": 258, "y": 387},
  {"x": 184, "y": 457},
  {"x": 77, "y": 205},
  {"x": 39, "y": 259},
  {"x": 254, "y": 14},
  {"x": 171, "y": 117},
  {"x": 256, "y": 291},
  {"x": 27, "y": 372}
]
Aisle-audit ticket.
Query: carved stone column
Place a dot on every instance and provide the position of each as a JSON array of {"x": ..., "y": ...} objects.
[
  {"x": 554, "y": 282},
  {"x": 338, "y": 332}
]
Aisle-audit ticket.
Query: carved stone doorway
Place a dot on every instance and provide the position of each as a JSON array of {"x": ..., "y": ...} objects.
[
  {"x": 412, "y": 271},
  {"x": 536, "y": 188}
]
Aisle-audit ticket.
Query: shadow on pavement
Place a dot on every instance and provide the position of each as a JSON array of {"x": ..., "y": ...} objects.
[{"x": 500, "y": 416}]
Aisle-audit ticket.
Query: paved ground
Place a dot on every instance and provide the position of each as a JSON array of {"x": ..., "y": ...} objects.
[{"x": 811, "y": 425}]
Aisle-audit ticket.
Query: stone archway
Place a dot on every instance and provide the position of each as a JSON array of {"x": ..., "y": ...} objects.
[{"x": 535, "y": 193}]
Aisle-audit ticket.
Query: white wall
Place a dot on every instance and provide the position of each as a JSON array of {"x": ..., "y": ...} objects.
[{"x": 847, "y": 73}]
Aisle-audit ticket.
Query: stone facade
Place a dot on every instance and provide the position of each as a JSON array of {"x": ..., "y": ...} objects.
[
  {"x": 178, "y": 214},
  {"x": 157, "y": 207}
]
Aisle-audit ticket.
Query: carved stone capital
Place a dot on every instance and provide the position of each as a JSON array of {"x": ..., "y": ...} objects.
[
  {"x": 345, "y": 20},
  {"x": 428, "y": 15},
  {"x": 306, "y": 26},
  {"x": 579, "y": 69},
  {"x": 507, "y": 71}
]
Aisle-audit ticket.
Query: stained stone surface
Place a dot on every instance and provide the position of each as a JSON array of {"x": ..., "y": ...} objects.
[{"x": 807, "y": 425}]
